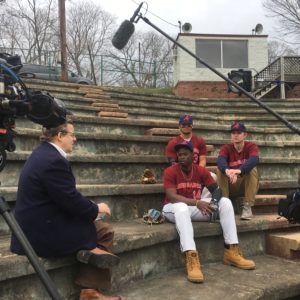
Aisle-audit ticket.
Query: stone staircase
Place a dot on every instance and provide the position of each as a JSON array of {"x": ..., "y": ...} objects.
[{"x": 108, "y": 162}]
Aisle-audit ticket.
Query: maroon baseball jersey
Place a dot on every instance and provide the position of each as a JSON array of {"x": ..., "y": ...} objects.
[
  {"x": 234, "y": 158},
  {"x": 187, "y": 185},
  {"x": 198, "y": 144}
]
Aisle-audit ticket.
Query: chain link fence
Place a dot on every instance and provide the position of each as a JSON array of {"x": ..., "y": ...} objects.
[{"x": 106, "y": 70}]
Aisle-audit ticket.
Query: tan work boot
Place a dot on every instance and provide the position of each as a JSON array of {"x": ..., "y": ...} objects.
[
  {"x": 193, "y": 266},
  {"x": 232, "y": 256}
]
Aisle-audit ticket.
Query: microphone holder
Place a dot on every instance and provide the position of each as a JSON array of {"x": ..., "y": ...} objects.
[
  {"x": 31, "y": 255},
  {"x": 243, "y": 91}
]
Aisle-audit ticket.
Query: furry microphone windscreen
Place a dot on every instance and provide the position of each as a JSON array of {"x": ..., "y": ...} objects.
[{"x": 123, "y": 34}]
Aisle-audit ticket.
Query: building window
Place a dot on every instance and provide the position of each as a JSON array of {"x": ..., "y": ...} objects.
[{"x": 222, "y": 53}]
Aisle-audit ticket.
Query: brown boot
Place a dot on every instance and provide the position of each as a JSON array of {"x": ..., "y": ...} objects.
[
  {"x": 91, "y": 294},
  {"x": 193, "y": 266},
  {"x": 232, "y": 256}
]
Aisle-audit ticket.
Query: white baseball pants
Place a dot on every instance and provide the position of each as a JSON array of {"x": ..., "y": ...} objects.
[{"x": 182, "y": 215}]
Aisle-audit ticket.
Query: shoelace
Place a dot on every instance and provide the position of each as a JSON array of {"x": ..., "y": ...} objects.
[
  {"x": 193, "y": 261},
  {"x": 237, "y": 251}
]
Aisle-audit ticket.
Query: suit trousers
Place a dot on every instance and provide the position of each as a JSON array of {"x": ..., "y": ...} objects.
[
  {"x": 246, "y": 186},
  {"x": 90, "y": 276},
  {"x": 182, "y": 215}
]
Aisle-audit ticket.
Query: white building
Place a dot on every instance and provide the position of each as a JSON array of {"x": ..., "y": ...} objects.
[{"x": 223, "y": 52}]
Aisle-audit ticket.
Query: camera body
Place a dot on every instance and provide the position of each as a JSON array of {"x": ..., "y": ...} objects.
[{"x": 16, "y": 100}]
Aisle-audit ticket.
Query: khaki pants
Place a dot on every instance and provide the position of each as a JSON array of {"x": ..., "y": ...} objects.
[
  {"x": 89, "y": 276},
  {"x": 246, "y": 186}
]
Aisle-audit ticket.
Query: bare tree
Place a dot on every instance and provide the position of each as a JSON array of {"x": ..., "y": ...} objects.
[
  {"x": 287, "y": 12},
  {"x": 145, "y": 61},
  {"x": 89, "y": 30},
  {"x": 277, "y": 49},
  {"x": 30, "y": 25}
]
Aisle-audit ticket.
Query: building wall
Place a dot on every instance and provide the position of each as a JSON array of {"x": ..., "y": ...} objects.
[
  {"x": 203, "y": 89},
  {"x": 185, "y": 64},
  {"x": 218, "y": 89},
  {"x": 202, "y": 82}
]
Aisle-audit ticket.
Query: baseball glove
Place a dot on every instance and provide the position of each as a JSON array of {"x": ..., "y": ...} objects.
[
  {"x": 153, "y": 216},
  {"x": 148, "y": 177}
]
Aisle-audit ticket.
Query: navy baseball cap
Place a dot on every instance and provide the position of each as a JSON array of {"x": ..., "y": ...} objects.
[
  {"x": 184, "y": 144},
  {"x": 186, "y": 119},
  {"x": 238, "y": 126}
]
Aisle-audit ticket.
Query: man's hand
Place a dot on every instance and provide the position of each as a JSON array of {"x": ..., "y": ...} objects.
[
  {"x": 204, "y": 207},
  {"x": 232, "y": 174},
  {"x": 104, "y": 209}
]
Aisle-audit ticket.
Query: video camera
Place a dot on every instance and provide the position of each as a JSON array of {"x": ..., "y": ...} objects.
[{"x": 16, "y": 100}]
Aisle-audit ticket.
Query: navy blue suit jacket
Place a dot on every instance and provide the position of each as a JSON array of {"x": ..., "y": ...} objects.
[{"x": 54, "y": 216}]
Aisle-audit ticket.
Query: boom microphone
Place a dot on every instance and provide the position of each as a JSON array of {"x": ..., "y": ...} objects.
[
  {"x": 125, "y": 31},
  {"x": 123, "y": 34}
]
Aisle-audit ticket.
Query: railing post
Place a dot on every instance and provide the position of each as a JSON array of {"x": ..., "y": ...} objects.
[
  {"x": 282, "y": 84},
  {"x": 101, "y": 70},
  {"x": 154, "y": 75}
]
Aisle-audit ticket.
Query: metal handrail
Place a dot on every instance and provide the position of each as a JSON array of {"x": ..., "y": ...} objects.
[{"x": 273, "y": 72}]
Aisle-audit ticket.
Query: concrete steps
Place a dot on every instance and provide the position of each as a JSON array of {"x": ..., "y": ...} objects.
[
  {"x": 144, "y": 251},
  {"x": 272, "y": 279},
  {"x": 108, "y": 162},
  {"x": 173, "y": 110}
]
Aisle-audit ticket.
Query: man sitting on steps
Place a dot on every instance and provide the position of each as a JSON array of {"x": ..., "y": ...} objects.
[
  {"x": 237, "y": 173},
  {"x": 199, "y": 151},
  {"x": 57, "y": 220},
  {"x": 186, "y": 133},
  {"x": 183, "y": 184}
]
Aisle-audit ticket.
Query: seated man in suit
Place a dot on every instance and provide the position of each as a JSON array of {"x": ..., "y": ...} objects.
[{"x": 57, "y": 219}]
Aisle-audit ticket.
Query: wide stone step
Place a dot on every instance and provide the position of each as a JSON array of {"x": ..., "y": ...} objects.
[
  {"x": 284, "y": 244},
  {"x": 55, "y": 89},
  {"x": 138, "y": 97},
  {"x": 176, "y": 104},
  {"x": 146, "y": 249},
  {"x": 121, "y": 169},
  {"x": 211, "y": 109},
  {"x": 98, "y": 143},
  {"x": 91, "y": 123},
  {"x": 261, "y": 283},
  {"x": 131, "y": 201}
]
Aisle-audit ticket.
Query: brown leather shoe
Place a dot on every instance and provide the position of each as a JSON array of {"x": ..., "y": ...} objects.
[
  {"x": 91, "y": 294},
  {"x": 98, "y": 258}
]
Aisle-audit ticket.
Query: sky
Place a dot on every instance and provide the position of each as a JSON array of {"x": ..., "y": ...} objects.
[{"x": 205, "y": 16}]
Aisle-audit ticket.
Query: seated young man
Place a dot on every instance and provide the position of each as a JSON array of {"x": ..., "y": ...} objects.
[
  {"x": 198, "y": 142},
  {"x": 183, "y": 184},
  {"x": 237, "y": 173}
]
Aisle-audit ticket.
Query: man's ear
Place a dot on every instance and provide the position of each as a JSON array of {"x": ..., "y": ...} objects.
[{"x": 59, "y": 136}]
